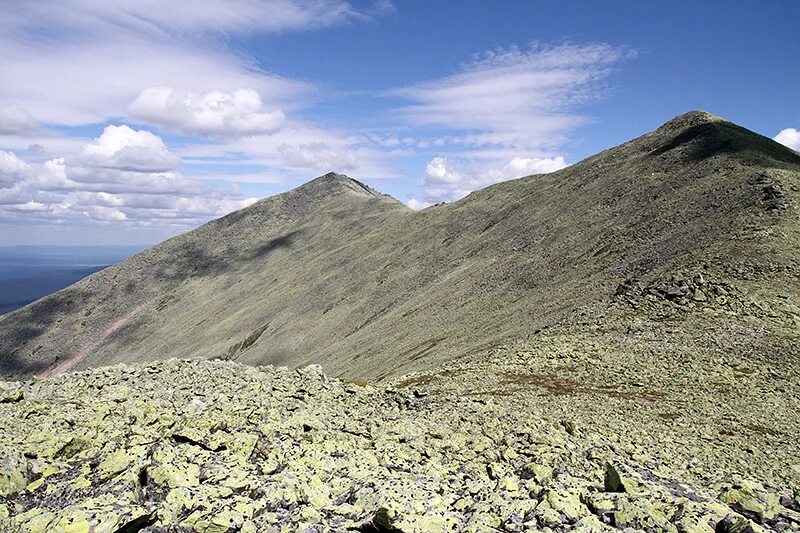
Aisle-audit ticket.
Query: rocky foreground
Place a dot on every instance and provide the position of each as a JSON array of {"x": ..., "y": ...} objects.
[{"x": 214, "y": 446}]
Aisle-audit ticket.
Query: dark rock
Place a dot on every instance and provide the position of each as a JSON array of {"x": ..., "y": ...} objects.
[
  {"x": 612, "y": 481},
  {"x": 381, "y": 523},
  {"x": 675, "y": 292},
  {"x": 772, "y": 196},
  {"x": 734, "y": 524}
]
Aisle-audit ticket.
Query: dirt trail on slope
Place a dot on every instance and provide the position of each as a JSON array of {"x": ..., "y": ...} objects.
[{"x": 94, "y": 342}]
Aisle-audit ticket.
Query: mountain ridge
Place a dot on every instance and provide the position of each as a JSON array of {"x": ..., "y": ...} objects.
[
  {"x": 336, "y": 273},
  {"x": 614, "y": 346}
]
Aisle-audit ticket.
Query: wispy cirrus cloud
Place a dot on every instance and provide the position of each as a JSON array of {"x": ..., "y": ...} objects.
[
  {"x": 522, "y": 99},
  {"x": 15, "y": 119},
  {"x": 507, "y": 112},
  {"x": 100, "y": 56},
  {"x": 158, "y": 18}
]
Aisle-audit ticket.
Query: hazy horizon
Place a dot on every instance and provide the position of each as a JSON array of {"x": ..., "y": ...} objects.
[{"x": 29, "y": 272}]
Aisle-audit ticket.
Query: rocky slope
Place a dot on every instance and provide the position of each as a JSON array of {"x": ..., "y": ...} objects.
[
  {"x": 337, "y": 274},
  {"x": 214, "y": 446},
  {"x": 615, "y": 346}
]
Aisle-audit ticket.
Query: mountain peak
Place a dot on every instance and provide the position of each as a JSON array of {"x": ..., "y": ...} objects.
[
  {"x": 335, "y": 184},
  {"x": 699, "y": 135},
  {"x": 332, "y": 181},
  {"x": 333, "y": 177},
  {"x": 318, "y": 193},
  {"x": 692, "y": 118}
]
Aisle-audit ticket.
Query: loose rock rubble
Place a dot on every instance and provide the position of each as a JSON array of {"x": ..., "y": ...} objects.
[
  {"x": 687, "y": 292},
  {"x": 215, "y": 446}
]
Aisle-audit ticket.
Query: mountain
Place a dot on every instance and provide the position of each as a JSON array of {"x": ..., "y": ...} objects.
[
  {"x": 336, "y": 273},
  {"x": 611, "y": 347}
]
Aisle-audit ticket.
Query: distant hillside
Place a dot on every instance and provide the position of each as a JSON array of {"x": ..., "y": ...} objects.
[
  {"x": 336, "y": 273},
  {"x": 28, "y": 273}
]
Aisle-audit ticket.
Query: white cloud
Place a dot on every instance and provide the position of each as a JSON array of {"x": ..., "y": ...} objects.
[
  {"x": 296, "y": 152},
  {"x": 519, "y": 100},
  {"x": 436, "y": 172},
  {"x": 789, "y": 137},
  {"x": 113, "y": 74},
  {"x": 104, "y": 214},
  {"x": 102, "y": 55},
  {"x": 317, "y": 156},
  {"x": 29, "y": 206},
  {"x": 12, "y": 167},
  {"x": 156, "y": 18},
  {"x": 215, "y": 113},
  {"x": 506, "y": 114},
  {"x": 526, "y": 166},
  {"x": 109, "y": 200},
  {"x": 417, "y": 205},
  {"x": 448, "y": 179},
  {"x": 125, "y": 176},
  {"x": 123, "y": 148},
  {"x": 15, "y": 119}
]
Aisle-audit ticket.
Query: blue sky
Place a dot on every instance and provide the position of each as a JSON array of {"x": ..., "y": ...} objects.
[{"x": 127, "y": 122}]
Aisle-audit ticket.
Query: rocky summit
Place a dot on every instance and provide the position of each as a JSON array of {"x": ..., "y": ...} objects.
[
  {"x": 611, "y": 347},
  {"x": 217, "y": 446}
]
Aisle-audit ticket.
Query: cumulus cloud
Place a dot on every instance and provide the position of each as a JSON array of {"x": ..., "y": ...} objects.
[
  {"x": 214, "y": 113},
  {"x": 789, "y": 137},
  {"x": 104, "y": 214},
  {"x": 123, "y": 148},
  {"x": 417, "y": 205},
  {"x": 448, "y": 179},
  {"x": 15, "y": 119},
  {"x": 125, "y": 176},
  {"x": 526, "y": 166},
  {"x": 12, "y": 167},
  {"x": 436, "y": 172}
]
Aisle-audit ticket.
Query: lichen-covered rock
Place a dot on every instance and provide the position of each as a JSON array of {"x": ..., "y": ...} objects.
[
  {"x": 215, "y": 446},
  {"x": 560, "y": 506},
  {"x": 10, "y": 391},
  {"x": 13, "y": 471},
  {"x": 752, "y": 499},
  {"x": 642, "y": 514}
]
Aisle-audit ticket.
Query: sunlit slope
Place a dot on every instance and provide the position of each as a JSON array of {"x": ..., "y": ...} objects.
[{"x": 336, "y": 273}]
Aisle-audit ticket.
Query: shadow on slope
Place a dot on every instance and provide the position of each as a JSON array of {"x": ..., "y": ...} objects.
[
  {"x": 713, "y": 138},
  {"x": 192, "y": 258},
  {"x": 31, "y": 322}
]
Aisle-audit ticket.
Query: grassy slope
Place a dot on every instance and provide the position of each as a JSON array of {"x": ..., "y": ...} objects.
[{"x": 337, "y": 274}]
